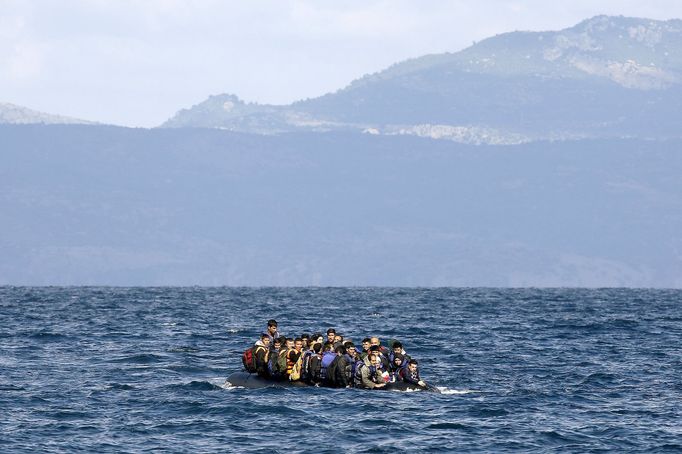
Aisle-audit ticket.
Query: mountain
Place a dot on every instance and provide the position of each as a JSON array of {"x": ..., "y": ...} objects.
[
  {"x": 17, "y": 115},
  {"x": 606, "y": 77},
  {"x": 107, "y": 205}
]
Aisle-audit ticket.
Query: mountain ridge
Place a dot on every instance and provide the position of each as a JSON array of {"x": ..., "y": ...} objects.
[
  {"x": 15, "y": 114},
  {"x": 599, "y": 78}
]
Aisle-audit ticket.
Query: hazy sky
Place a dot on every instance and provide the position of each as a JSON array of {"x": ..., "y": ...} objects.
[{"x": 136, "y": 63}]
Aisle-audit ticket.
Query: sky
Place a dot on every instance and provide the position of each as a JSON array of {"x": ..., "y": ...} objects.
[{"x": 136, "y": 63}]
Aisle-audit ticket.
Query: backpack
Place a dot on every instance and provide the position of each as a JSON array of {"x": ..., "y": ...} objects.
[
  {"x": 305, "y": 364},
  {"x": 282, "y": 361},
  {"x": 357, "y": 372},
  {"x": 332, "y": 370},
  {"x": 327, "y": 359},
  {"x": 249, "y": 360},
  {"x": 272, "y": 366}
]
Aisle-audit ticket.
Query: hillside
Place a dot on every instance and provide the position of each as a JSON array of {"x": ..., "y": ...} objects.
[
  {"x": 17, "y": 115},
  {"x": 105, "y": 205},
  {"x": 607, "y": 77}
]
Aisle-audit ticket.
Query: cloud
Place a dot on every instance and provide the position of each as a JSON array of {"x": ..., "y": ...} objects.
[{"x": 136, "y": 63}]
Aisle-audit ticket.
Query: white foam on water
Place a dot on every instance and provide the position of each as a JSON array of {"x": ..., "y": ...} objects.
[
  {"x": 446, "y": 390},
  {"x": 223, "y": 383}
]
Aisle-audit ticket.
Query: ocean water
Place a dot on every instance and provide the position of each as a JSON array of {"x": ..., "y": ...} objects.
[{"x": 522, "y": 370}]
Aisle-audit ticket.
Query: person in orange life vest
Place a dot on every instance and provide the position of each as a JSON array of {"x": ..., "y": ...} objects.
[{"x": 294, "y": 354}]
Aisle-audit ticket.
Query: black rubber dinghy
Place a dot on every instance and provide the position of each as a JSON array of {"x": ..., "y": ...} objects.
[{"x": 247, "y": 380}]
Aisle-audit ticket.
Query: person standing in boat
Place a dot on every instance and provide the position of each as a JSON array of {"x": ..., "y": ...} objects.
[
  {"x": 331, "y": 335},
  {"x": 272, "y": 332}
]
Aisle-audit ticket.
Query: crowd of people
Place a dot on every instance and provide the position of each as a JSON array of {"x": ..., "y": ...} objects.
[{"x": 331, "y": 361}]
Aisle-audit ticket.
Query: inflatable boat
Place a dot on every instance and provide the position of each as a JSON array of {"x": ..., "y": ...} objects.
[{"x": 247, "y": 380}]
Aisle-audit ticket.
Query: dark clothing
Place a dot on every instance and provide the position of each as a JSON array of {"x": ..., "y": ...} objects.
[
  {"x": 396, "y": 369},
  {"x": 293, "y": 355},
  {"x": 327, "y": 359},
  {"x": 261, "y": 354},
  {"x": 406, "y": 358},
  {"x": 272, "y": 365},
  {"x": 314, "y": 367},
  {"x": 343, "y": 366},
  {"x": 410, "y": 377},
  {"x": 332, "y": 372}
]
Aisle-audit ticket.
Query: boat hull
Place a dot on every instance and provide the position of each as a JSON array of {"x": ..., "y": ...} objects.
[{"x": 253, "y": 381}]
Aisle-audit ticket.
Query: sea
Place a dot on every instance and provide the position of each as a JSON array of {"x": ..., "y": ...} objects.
[{"x": 99, "y": 369}]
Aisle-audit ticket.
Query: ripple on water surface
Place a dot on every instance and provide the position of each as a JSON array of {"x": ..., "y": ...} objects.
[{"x": 135, "y": 369}]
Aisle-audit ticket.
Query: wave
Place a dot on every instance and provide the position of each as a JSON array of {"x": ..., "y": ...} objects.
[
  {"x": 183, "y": 349},
  {"x": 196, "y": 385},
  {"x": 141, "y": 358},
  {"x": 11, "y": 388},
  {"x": 446, "y": 390}
]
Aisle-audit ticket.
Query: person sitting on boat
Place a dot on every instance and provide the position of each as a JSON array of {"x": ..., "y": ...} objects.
[
  {"x": 338, "y": 340},
  {"x": 351, "y": 350},
  {"x": 328, "y": 356},
  {"x": 341, "y": 367},
  {"x": 383, "y": 360},
  {"x": 370, "y": 375},
  {"x": 312, "y": 365},
  {"x": 396, "y": 366},
  {"x": 306, "y": 341},
  {"x": 411, "y": 374},
  {"x": 277, "y": 365},
  {"x": 317, "y": 337},
  {"x": 354, "y": 360},
  {"x": 288, "y": 344},
  {"x": 261, "y": 353},
  {"x": 376, "y": 342},
  {"x": 366, "y": 344},
  {"x": 397, "y": 348},
  {"x": 294, "y": 360}
]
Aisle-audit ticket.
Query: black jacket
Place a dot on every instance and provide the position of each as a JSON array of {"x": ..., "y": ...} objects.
[
  {"x": 314, "y": 368},
  {"x": 342, "y": 371},
  {"x": 261, "y": 354}
]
